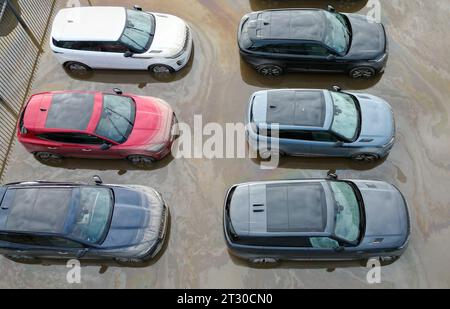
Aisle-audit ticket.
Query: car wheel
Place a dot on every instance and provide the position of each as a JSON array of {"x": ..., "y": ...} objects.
[
  {"x": 77, "y": 68},
  {"x": 161, "y": 69},
  {"x": 141, "y": 161},
  {"x": 264, "y": 261},
  {"x": 129, "y": 262},
  {"x": 268, "y": 154},
  {"x": 362, "y": 72},
  {"x": 270, "y": 70},
  {"x": 48, "y": 157},
  {"x": 365, "y": 157},
  {"x": 22, "y": 259}
]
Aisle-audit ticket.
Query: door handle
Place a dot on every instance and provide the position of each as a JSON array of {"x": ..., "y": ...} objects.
[
  {"x": 52, "y": 148},
  {"x": 63, "y": 253},
  {"x": 87, "y": 150}
]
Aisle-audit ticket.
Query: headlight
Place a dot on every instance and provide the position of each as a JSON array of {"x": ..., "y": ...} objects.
[{"x": 157, "y": 147}]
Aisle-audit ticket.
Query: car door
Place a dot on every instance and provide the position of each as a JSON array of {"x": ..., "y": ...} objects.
[
  {"x": 51, "y": 247},
  {"x": 291, "y": 55},
  {"x": 322, "y": 59},
  {"x": 39, "y": 246},
  {"x": 80, "y": 145},
  {"x": 295, "y": 142},
  {"x": 326, "y": 144},
  {"x": 117, "y": 56}
]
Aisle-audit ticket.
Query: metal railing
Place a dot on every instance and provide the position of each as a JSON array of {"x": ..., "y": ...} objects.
[{"x": 23, "y": 28}]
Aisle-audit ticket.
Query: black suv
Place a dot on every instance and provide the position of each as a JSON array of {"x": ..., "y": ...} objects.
[
  {"x": 42, "y": 220},
  {"x": 276, "y": 41}
]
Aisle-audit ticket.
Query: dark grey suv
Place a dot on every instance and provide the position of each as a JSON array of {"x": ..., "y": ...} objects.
[
  {"x": 276, "y": 41},
  {"x": 316, "y": 220},
  {"x": 41, "y": 220}
]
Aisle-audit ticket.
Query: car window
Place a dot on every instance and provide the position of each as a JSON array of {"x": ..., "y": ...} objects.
[
  {"x": 72, "y": 138},
  {"x": 78, "y": 45},
  {"x": 346, "y": 115},
  {"x": 273, "y": 241},
  {"x": 323, "y": 243},
  {"x": 40, "y": 241},
  {"x": 113, "y": 47},
  {"x": 92, "y": 215},
  {"x": 117, "y": 120},
  {"x": 347, "y": 209},
  {"x": 138, "y": 31},
  {"x": 295, "y": 134},
  {"x": 323, "y": 137}
]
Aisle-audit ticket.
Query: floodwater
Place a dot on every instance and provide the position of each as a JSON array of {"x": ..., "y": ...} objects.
[{"x": 217, "y": 85}]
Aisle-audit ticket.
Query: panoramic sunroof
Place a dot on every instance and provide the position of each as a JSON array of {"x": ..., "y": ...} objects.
[
  {"x": 296, "y": 208},
  {"x": 71, "y": 111},
  {"x": 296, "y": 108}
]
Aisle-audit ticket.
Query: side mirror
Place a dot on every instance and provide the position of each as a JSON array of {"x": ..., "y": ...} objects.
[
  {"x": 137, "y": 8},
  {"x": 97, "y": 180},
  {"x": 337, "y": 89},
  {"x": 105, "y": 147},
  {"x": 339, "y": 144},
  {"x": 332, "y": 175},
  {"x": 331, "y": 9},
  {"x": 118, "y": 91},
  {"x": 128, "y": 54},
  {"x": 331, "y": 57}
]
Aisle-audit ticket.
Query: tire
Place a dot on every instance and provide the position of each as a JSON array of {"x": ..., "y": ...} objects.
[
  {"x": 48, "y": 157},
  {"x": 161, "y": 69},
  {"x": 270, "y": 70},
  {"x": 141, "y": 161},
  {"x": 365, "y": 157},
  {"x": 268, "y": 154},
  {"x": 263, "y": 261},
  {"x": 23, "y": 259},
  {"x": 129, "y": 262},
  {"x": 362, "y": 72},
  {"x": 77, "y": 68}
]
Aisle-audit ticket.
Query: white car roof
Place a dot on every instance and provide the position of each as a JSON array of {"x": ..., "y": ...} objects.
[{"x": 89, "y": 24}]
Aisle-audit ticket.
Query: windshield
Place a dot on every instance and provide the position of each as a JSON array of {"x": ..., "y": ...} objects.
[
  {"x": 117, "y": 119},
  {"x": 348, "y": 214},
  {"x": 346, "y": 115},
  {"x": 338, "y": 34},
  {"x": 92, "y": 215},
  {"x": 139, "y": 31}
]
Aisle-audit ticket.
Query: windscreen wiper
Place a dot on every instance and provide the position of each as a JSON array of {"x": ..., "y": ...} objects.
[{"x": 121, "y": 116}]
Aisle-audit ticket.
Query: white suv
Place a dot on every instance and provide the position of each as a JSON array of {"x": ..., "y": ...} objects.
[{"x": 88, "y": 38}]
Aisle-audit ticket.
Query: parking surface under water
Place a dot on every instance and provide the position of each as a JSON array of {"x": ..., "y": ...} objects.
[{"x": 217, "y": 85}]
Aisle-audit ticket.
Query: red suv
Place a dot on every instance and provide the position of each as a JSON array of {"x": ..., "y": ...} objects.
[{"x": 56, "y": 125}]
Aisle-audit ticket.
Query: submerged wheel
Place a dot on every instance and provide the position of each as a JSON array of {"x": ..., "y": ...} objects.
[
  {"x": 23, "y": 259},
  {"x": 269, "y": 154},
  {"x": 138, "y": 160},
  {"x": 270, "y": 70},
  {"x": 77, "y": 68},
  {"x": 362, "y": 72},
  {"x": 365, "y": 157},
  {"x": 48, "y": 157},
  {"x": 161, "y": 69},
  {"x": 264, "y": 261}
]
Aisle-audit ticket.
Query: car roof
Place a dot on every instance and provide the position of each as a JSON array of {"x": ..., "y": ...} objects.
[
  {"x": 300, "y": 108},
  {"x": 36, "y": 209},
  {"x": 89, "y": 24},
  {"x": 63, "y": 111},
  {"x": 71, "y": 111},
  {"x": 282, "y": 208},
  {"x": 290, "y": 24}
]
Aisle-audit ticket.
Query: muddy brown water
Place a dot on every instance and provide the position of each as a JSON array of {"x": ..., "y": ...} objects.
[{"x": 217, "y": 85}]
